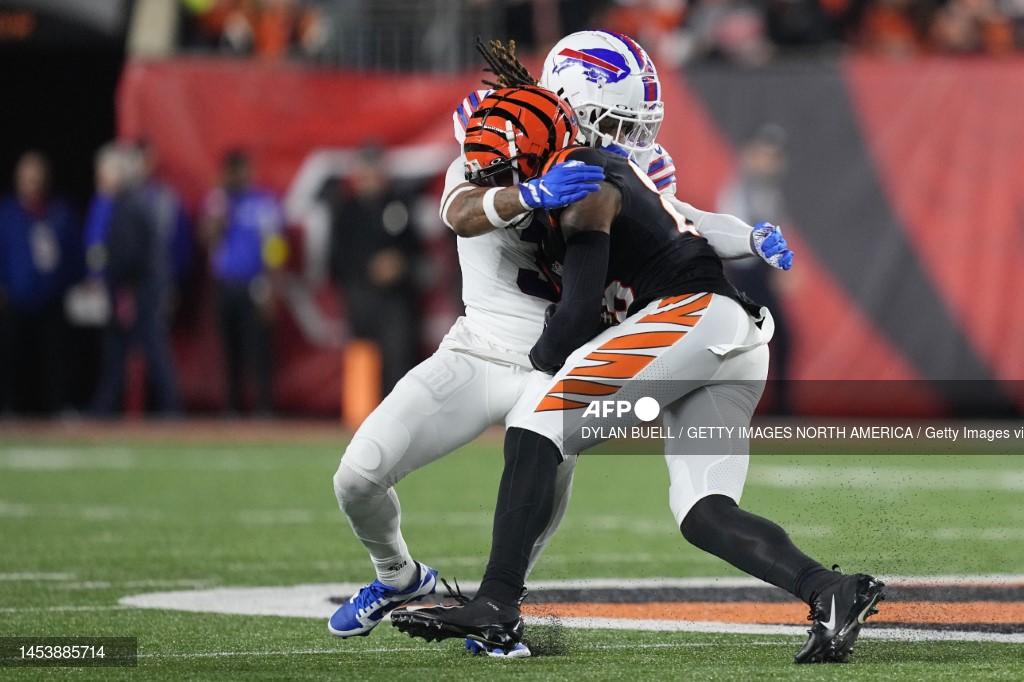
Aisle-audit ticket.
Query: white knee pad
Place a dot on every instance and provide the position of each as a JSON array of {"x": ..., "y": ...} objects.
[{"x": 351, "y": 486}]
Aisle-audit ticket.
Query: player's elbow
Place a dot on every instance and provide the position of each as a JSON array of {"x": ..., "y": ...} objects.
[
  {"x": 464, "y": 228},
  {"x": 459, "y": 215}
]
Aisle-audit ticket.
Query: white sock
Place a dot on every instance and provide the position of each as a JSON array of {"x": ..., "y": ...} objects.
[{"x": 398, "y": 571}]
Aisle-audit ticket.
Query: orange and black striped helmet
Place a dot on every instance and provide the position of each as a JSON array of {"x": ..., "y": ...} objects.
[{"x": 512, "y": 131}]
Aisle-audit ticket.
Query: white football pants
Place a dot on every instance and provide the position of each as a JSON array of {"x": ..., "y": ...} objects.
[
  {"x": 440, "y": 405},
  {"x": 700, "y": 356}
]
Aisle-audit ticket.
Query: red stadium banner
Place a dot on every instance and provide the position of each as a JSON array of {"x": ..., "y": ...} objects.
[{"x": 907, "y": 225}]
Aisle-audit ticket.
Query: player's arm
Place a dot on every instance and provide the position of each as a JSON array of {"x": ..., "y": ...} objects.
[
  {"x": 586, "y": 225},
  {"x": 471, "y": 210},
  {"x": 728, "y": 235},
  {"x": 732, "y": 238}
]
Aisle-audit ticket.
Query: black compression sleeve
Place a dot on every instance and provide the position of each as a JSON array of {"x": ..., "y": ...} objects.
[
  {"x": 525, "y": 504},
  {"x": 754, "y": 545},
  {"x": 578, "y": 316}
]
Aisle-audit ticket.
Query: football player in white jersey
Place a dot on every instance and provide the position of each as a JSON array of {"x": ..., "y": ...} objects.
[{"x": 481, "y": 367}]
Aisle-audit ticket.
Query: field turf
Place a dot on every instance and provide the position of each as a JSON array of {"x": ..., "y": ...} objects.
[{"x": 87, "y": 521}]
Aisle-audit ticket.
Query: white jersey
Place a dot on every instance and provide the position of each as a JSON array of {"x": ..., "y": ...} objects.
[{"x": 499, "y": 270}]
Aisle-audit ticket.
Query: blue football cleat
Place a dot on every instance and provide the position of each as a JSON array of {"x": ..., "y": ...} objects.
[
  {"x": 518, "y": 650},
  {"x": 367, "y": 607}
]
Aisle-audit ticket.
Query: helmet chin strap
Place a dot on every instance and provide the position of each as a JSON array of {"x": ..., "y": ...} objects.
[{"x": 510, "y": 135}]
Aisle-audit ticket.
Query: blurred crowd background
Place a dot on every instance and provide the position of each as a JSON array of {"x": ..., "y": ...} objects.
[
  {"x": 230, "y": 205},
  {"x": 673, "y": 31}
]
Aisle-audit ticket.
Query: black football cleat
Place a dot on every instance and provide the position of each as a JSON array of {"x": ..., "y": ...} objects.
[
  {"x": 480, "y": 619},
  {"x": 837, "y": 614}
]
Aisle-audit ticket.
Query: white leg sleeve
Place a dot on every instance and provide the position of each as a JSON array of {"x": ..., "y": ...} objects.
[
  {"x": 713, "y": 466},
  {"x": 375, "y": 516}
]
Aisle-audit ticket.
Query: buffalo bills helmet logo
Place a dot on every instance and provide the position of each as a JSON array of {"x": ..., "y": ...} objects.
[{"x": 599, "y": 65}]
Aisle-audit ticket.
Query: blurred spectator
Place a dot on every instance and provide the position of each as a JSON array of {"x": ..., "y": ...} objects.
[
  {"x": 971, "y": 27},
  {"x": 755, "y": 195},
  {"x": 734, "y": 30},
  {"x": 128, "y": 255},
  {"x": 416, "y": 36},
  {"x": 655, "y": 23},
  {"x": 171, "y": 219},
  {"x": 267, "y": 28},
  {"x": 799, "y": 23},
  {"x": 374, "y": 253},
  {"x": 893, "y": 28},
  {"x": 40, "y": 256},
  {"x": 243, "y": 228}
]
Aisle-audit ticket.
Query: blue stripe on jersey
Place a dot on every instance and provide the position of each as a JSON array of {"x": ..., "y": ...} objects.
[
  {"x": 462, "y": 116},
  {"x": 656, "y": 165},
  {"x": 474, "y": 100},
  {"x": 665, "y": 181}
]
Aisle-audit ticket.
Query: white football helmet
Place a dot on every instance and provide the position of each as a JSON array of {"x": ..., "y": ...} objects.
[{"x": 613, "y": 87}]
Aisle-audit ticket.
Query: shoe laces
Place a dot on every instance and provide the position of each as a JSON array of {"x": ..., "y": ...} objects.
[
  {"x": 371, "y": 596},
  {"x": 455, "y": 593}
]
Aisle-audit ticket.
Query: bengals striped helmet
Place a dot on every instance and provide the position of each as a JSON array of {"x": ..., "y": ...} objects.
[{"x": 512, "y": 131}]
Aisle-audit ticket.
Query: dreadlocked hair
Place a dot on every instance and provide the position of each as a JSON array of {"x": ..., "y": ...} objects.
[{"x": 501, "y": 60}]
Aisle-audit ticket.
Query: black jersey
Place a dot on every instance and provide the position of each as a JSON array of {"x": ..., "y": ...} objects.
[{"x": 654, "y": 251}]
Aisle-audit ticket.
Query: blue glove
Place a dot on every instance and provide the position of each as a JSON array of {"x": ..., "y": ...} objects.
[
  {"x": 562, "y": 185},
  {"x": 768, "y": 243}
]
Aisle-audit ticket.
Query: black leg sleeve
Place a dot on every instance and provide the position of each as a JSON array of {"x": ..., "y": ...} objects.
[
  {"x": 754, "y": 545},
  {"x": 525, "y": 504}
]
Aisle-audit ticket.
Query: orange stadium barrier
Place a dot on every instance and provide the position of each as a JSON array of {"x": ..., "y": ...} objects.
[{"x": 360, "y": 382}]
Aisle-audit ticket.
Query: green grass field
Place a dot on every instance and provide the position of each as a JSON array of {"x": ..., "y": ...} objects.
[{"x": 84, "y": 524}]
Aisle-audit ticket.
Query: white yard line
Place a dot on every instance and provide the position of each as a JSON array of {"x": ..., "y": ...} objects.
[
  {"x": 95, "y": 513},
  {"x": 61, "y": 459},
  {"x": 28, "y": 576},
  {"x": 133, "y": 584},
  {"x": 66, "y": 459},
  {"x": 883, "y": 477},
  {"x": 45, "y": 609}
]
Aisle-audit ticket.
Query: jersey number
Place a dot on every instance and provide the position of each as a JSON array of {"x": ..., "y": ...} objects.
[{"x": 681, "y": 223}]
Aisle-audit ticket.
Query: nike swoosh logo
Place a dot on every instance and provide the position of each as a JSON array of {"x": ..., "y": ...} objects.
[{"x": 830, "y": 624}]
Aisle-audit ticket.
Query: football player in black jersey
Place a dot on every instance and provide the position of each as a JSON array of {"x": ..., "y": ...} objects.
[{"x": 645, "y": 313}]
